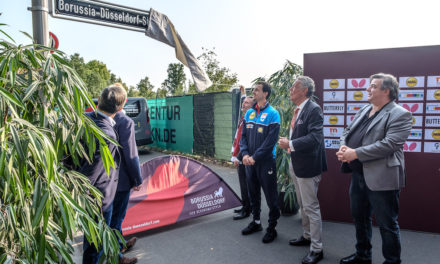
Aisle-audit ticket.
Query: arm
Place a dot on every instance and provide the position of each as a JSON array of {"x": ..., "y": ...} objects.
[
  {"x": 271, "y": 139},
  {"x": 314, "y": 135},
  {"x": 243, "y": 141},
  {"x": 129, "y": 152}
]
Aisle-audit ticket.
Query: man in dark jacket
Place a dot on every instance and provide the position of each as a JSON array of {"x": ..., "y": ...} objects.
[
  {"x": 306, "y": 147},
  {"x": 129, "y": 173},
  {"x": 112, "y": 100}
]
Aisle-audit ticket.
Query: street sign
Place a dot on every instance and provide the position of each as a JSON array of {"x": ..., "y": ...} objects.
[
  {"x": 53, "y": 41},
  {"x": 101, "y": 13}
]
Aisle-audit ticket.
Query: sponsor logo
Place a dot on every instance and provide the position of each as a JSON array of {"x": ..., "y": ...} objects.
[
  {"x": 410, "y": 147},
  {"x": 358, "y": 95},
  {"x": 431, "y": 108},
  {"x": 260, "y": 130},
  {"x": 250, "y": 126},
  {"x": 333, "y": 120},
  {"x": 411, "y": 82},
  {"x": 358, "y": 84},
  {"x": 333, "y": 130},
  {"x": 412, "y": 109},
  {"x": 411, "y": 95},
  {"x": 334, "y": 84},
  {"x": 263, "y": 116},
  {"x": 252, "y": 115},
  {"x": 437, "y": 94},
  {"x": 413, "y": 120},
  {"x": 218, "y": 193},
  {"x": 436, "y": 134}
]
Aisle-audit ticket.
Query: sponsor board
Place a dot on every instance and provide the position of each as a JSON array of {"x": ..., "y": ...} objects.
[
  {"x": 432, "y": 147},
  {"x": 358, "y": 83},
  {"x": 416, "y": 133},
  {"x": 433, "y": 108},
  {"x": 412, "y": 146},
  {"x": 432, "y": 134},
  {"x": 357, "y": 96},
  {"x": 433, "y": 81},
  {"x": 353, "y": 108},
  {"x": 414, "y": 108},
  {"x": 417, "y": 121},
  {"x": 334, "y": 120},
  {"x": 334, "y": 108},
  {"x": 333, "y": 96},
  {"x": 432, "y": 121},
  {"x": 332, "y": 84},
  {"x": 411, "y": 95},
  {"x": 333, "y": 131},
  {"x": 349, "y": 119},
  {"x": 330, "y": 143},
  {"x": 433, "y": 95},
  {"x": 411, "y": 81}
]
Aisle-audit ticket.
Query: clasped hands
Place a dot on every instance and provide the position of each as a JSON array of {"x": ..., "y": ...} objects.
[
  {"x": 248, "y": 160},
  {"x": 346, "y": 154}
]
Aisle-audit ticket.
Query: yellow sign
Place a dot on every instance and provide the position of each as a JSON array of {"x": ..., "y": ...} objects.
[
  {"x": 436, "y": 134},
  {"x": 333, "y": 120},
  {"x": 411, "y": 82},
  {"x": 414, "y": 120},
  {"x": 252, "y": 115},
  {"x": 358, "y": 95},
  {"x": 437, "y": 94},
  {"x": 260, "y": 130},
  {"x": 334, "y": 84}
]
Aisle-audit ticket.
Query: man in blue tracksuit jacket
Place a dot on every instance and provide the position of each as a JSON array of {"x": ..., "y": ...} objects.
[{"x": 261, "y": 126}]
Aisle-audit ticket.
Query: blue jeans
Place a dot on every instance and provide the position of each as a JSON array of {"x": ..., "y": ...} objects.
[
  {"x": 120, "y": 204},
  {"x": 385, "y": 207},
  {"x": 90, "y": 254}
]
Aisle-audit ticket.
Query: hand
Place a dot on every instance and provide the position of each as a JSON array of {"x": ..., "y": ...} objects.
[
  {"x": 242, "y": 90},
  {"x": 137, "y": 188},
  {"x": 346, "y": 154},
  {"x": 251, "y": 161},
  {"x": 283, "y": 142},
  {"x": 236, "y": 163}
]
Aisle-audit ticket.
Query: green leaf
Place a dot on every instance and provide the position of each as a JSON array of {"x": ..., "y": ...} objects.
[{"x": 10, "y": 98}]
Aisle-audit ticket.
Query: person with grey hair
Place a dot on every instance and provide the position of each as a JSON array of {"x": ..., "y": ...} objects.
[
  {"x": 111, "y": 101},
  {"x": 372, "y": 150},
  {"x": 306, "y": 147}
]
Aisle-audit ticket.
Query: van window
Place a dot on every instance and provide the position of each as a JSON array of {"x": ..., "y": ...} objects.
[{"x": 132, "y": 109}]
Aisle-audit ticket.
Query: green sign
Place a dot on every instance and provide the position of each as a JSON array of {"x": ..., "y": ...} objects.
[{"x": 171, "y": 121}]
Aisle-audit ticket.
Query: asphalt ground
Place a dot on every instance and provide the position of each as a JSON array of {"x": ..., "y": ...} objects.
[{"x": 217, "y": 239}]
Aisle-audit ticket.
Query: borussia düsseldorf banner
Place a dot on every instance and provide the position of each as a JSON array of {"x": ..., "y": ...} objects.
[{"x": 176, "y": 188}]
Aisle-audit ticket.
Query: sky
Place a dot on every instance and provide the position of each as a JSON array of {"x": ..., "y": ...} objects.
[{"x": 253, "y": 38}]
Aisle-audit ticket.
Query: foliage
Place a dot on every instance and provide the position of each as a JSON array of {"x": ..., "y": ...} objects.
[
  {"x": 175, "y": 82},
  {"x": 145, "y": 88},
  {"x": 281, "y": 81},
  {"x": 221, "y": 77},
  {"x": 43, "y": 204}
]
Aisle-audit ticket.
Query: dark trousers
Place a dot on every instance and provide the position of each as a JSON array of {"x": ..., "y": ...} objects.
[
  {"x": 120, "y": 204},
  {"x": 90, "y": 254},
  {"x": 241, "y": 170},
  {"x": 263, "y": 175},
  {"x": 385, "y": 207}
]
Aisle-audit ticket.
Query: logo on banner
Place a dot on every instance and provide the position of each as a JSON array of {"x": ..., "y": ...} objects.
[
  {"x": 252, "y": 115},
  {"x": 437, "y": 94},
  {"x": 218, "y": 193},
  {"x": 432, "y": 121},
  {"x": 410, "y": 147},
  {"x": 432, "y": 108},
  {"x": 334, "y": 84},
  {"x": 357, "y": 84},
  {"x": 437, "y": 81},
  {"x": 333, "y": 120},
  {"x": 413, "y": 121},
  {"x": 411, "y": 82},
  {"x": 358, "y": 95},
  {"x": 416, "y": 134},
  {"x": 331, "y": 143},
  {"x": 412, "y": 109},
  {"x": 415, "y": 95},
  {"x": 436, "y": 134}
]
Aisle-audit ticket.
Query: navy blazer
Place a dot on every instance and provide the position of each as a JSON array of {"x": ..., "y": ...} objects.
[
  {"x": 129, "y": 172},
  {"x": 95, "y": 171},
  {"x": 308, "y": 159}
]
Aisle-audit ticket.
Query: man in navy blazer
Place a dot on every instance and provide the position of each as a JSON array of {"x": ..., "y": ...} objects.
[
  {"x": 129, "y": 173},
  {"x": 112, "y": 100},
  {"x": 306, "y": 146}
]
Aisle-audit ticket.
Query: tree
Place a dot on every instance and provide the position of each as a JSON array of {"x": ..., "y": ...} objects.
[
  {"x": 221, "y": 77},
  {"x": 145, "y": 88},
  {"x": 43, "y": 203},
  {"x": 175, "y": 82}
]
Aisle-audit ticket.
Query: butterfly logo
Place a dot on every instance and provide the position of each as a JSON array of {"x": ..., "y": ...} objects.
[
  {"x": 412, "y": 109},
  {"x": 411, "y": 147},
  {"x": 357, "y": 84}
]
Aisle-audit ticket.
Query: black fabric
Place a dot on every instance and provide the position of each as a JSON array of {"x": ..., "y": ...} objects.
[
  {"x": 204, "y": 124},
  {"x": 355, "y": 138}
]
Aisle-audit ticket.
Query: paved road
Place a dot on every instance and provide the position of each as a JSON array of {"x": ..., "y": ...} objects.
[{"x": 217, "y": 239}]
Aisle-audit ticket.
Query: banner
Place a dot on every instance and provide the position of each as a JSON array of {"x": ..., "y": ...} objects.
[{"x": 174, "y": 189}]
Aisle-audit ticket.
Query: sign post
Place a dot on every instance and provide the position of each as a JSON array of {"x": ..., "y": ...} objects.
[{"x": 40, "y": 9}]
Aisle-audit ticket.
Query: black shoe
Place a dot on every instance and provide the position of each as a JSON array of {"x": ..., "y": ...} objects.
[
  {"x": 241, "y": 215},
  {"x": 270, "y": 235},
  {"x": 239, "y": 210},
  {"x": 251, "y": 228},
  {"x": 354, "y": 259},
  {"x": 313, "y": 257},
  {"x": 301, "y": 241}
]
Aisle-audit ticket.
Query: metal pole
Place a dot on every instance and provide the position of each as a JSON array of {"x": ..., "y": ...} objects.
[{"x": 40, "y": 10}]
